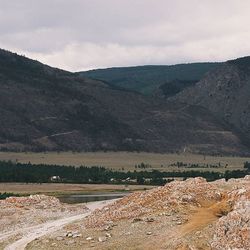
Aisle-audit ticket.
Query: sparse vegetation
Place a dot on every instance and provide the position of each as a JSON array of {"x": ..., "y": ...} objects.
[
  {"x": 197, "y": 165},
  {"x": 143, "y": 166}
]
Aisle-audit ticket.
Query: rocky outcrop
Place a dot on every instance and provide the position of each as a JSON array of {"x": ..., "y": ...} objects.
[
  {"x": 233, "y": 230},
  {"x": 199, "y": 214},
  {"x": 225, "y": 91}
]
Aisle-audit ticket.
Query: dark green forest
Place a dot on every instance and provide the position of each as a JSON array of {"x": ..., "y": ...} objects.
[
  {"x": 247, "y": 166},
  {"x": 29, "y": 173},
  {"x": 146, "y": 79},
  {"x": 172, "y": 88}
]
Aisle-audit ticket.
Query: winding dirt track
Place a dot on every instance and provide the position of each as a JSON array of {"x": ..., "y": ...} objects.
[
  {"x": 31, "y": 233},
  {"x": 201, "y": 218}
]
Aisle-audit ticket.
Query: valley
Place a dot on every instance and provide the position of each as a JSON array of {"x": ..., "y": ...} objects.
[
  {"x": 94, "y": 138},
  {"x": 124, "y": 125},
  {"x": 59, "y": 189}
]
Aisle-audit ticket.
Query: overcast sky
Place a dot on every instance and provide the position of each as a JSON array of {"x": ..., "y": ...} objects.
[{"x": 85, "y": 34}]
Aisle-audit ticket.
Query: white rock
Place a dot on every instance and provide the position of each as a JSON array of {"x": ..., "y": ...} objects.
[
  {"x": 102, "y": 239},
  {"x": 77, "y": 235},
  {"x": 108, "y": 235}
]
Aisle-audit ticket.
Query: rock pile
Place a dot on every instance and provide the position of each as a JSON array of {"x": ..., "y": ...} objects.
[
  {"x": 19, "y": 212},
  {"x": 69, "y": 234},
  {"x": 32, "y": 201},
  {"x": 176, "y": 195}
]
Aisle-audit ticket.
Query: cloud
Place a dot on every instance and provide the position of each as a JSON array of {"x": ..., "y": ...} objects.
[{"x": 85, "y": 34}]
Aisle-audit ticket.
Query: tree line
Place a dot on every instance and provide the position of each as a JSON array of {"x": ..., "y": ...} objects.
[
  {"x": 42, "y": 173},
  {"x": 247, "y": 165}
]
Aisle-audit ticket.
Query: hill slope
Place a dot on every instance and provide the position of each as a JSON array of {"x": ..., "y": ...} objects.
[
  {"x": 146, "y": 79},
  {"x": 44, "y": 108},
  {"x": 226, "y": 93}
]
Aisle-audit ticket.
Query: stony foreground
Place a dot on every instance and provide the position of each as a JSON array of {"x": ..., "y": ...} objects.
[
  {"x": 183, "y": 215},
  {"x": 20, "y": 216},
  {"x": 19, "y": 212}
]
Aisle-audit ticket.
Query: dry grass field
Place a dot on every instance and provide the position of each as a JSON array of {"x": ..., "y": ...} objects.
[
  {"x": 61, "y": 188},
  {"x": 126, "y": 161}
]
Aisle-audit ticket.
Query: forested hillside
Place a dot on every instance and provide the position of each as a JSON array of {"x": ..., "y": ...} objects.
[{"x": 146, "y": 79}]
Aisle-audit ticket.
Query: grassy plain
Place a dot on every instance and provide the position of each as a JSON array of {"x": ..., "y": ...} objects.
[
  {"x": 126, "y": 160},
  {"x": 61, "y": 188}
]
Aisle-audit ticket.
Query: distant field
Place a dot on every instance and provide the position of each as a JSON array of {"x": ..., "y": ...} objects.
[
  {"x": 61, "y": 188},
  {"x": 126, "y": 161}
]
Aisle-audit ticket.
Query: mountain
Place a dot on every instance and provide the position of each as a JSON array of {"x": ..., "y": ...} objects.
[
  {"x": 225, "y": 91},
  {"x": 146, "y": 79},
  {"x": 43, "y": 108}
]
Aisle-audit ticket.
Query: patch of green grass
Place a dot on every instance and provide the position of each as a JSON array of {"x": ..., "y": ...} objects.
[{"x": 5, "y": 195}]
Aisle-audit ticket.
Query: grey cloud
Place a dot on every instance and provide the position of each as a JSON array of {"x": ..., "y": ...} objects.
[{"x": 84, "y": 34}]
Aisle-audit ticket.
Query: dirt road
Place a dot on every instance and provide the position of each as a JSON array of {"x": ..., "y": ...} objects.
[
  {"x": 198, "y": 220},
  {"x": 31, "y": 233}
]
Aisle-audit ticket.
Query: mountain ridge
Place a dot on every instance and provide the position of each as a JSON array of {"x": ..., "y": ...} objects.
[
  {"x": 146, "y": 79},
  {"x": 46, "y": 109}
]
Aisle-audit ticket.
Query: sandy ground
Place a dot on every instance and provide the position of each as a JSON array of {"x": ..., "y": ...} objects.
[
  {"x": 120, "y": 160},
  {"x": 31, "y": 233}
]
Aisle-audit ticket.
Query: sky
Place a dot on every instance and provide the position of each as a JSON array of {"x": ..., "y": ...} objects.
[{"x": 79, "y": 35}]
